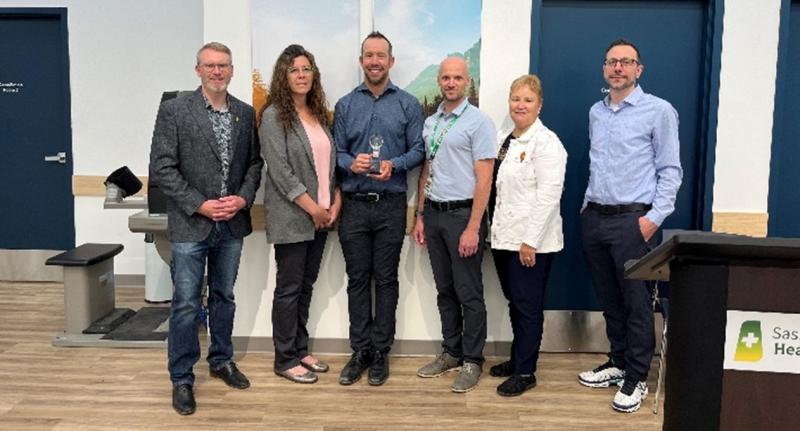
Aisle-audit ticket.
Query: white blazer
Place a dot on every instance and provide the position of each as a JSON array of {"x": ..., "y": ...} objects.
[{"x": 529, "y": 185}]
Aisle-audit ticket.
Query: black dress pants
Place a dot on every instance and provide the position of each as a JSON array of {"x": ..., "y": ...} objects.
[
  {"x": 371, "y": 234},
  {"x": 297, "y": 270},
  {"x": 459, "y": 283},
  {"x": 524, "y": 288},
  {"x": 608, "y": 242}
]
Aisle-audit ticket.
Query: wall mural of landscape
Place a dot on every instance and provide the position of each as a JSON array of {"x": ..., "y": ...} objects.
[{"x": 422, "y": 32}]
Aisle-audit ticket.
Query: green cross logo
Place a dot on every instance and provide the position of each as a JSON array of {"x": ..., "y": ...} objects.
[{"x": 748, "y": 345}]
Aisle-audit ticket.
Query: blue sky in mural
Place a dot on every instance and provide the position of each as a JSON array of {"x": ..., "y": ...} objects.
[
  {"x": 328, "y": 32},
  {"x": 423, "y": 32}
]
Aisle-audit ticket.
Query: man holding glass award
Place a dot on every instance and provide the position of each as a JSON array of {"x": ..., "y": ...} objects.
[{"x": 378, "y": 134}]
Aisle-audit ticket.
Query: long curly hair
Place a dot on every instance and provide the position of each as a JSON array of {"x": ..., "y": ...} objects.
[{"x": 281, "y": 96}]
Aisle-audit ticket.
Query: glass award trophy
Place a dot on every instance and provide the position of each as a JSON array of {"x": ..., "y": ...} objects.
[{"x": 375, "y": 142}]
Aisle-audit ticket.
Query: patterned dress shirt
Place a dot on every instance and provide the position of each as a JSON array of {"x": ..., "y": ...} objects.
[{"x": 222, "y": 125}]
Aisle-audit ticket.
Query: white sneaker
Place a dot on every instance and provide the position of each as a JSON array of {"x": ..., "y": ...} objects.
[
  {"x": 629, "y": 398},
  {"x": 602, "y": 377}
]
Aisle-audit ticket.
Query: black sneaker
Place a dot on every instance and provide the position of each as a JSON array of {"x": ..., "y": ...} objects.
[
  {"x": 379, "y": 370},
  {"x": 516, "y": 385},
  {"x": 503, "y": 369},
  {"x": 355, "y": 367}
]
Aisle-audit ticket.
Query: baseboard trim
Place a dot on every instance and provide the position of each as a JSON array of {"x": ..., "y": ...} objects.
[
  {"x": 28, "y": 265},
  {"x": 129, "y": 280},
  {"x": 564, "y": 331}
]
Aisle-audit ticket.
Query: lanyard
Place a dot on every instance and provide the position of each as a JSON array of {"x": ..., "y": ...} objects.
[{"x": 437, "y": 142}]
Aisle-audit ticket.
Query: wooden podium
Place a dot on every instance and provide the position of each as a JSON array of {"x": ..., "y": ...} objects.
[{"x": 711, "y": 275}]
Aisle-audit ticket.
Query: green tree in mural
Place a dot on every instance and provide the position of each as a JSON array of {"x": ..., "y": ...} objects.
[{"x": 472, "y": 93}]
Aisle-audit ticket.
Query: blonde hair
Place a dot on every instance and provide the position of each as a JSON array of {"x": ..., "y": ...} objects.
[
  {"x": 214, "y": 46},
  {"x": 532, "y": 81}
]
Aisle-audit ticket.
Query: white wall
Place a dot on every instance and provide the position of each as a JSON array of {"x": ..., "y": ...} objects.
[
  {"x": 505, "y": 53},
  {"x": 123, "y": 54},
  {"x": 746, "y": 102}
]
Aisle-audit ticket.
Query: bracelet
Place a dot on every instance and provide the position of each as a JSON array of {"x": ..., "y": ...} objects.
[{"x": 418, "y": 213}]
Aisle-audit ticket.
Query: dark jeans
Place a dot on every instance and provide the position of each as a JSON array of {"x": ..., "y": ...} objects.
[
  {"x": 297, "y": 270},
  {"x": 524, "y": 288},
  {"x": 222, "y": 251},
  {"x": 371, "y": 234},
  {"x": 459, "y": 283},
  {"x": 608, "y": 242}
]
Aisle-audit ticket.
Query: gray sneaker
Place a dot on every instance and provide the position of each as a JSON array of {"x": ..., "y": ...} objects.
[
  {"x": 467, "y": 379},
  {"x": 440, "y": 365}
]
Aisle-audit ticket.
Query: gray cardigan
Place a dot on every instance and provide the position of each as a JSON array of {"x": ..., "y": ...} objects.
[{"x": 290, "y": 173}]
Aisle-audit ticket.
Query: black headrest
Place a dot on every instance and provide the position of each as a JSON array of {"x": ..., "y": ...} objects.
[
  {"x": 125, "y": 180},
  {"x": 167, "y": 95}
]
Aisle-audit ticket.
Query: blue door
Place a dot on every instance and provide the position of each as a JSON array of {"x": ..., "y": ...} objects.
[
  {"x": 784, "y": 197},
  {"x": 678, "y": 49},
  {"x": 36, "y": 195}
]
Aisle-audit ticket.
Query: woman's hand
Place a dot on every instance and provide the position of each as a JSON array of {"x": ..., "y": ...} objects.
[
  {"x": 527, "y": 255},
  {"x": 336, "y": 207},
  {"x": 318, "y": 214}
]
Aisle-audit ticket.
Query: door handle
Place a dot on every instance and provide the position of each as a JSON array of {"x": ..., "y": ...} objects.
[{"x": 60, "y": 157}]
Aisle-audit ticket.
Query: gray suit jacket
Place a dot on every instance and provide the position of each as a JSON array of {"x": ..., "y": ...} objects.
[
  {"x": 185, "y": 163},
  {"x": 290, "y": 173}
]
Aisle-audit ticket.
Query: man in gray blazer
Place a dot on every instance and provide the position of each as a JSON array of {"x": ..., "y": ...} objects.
[{"x": 205, "y": 156}]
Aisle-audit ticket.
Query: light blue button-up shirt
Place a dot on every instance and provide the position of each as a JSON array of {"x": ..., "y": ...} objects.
[
  {"x": 635, "y": 154},
  {"x": 472, "y": 137}
]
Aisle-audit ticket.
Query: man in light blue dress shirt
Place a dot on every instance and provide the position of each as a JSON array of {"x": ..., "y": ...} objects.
[
  {"x": 454, "y": 188},
  {"x": 634, "y": 176}
]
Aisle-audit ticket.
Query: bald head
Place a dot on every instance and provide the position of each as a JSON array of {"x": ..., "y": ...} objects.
[
  {"x": 453, "y": 81},
  {"x": 454, "y": 64}
]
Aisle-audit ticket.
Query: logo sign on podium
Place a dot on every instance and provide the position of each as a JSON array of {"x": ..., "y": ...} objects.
[{"x": 767, "y": 342}]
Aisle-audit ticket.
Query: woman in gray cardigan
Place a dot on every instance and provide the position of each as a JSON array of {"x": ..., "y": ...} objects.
[{"x": 301, "y": 199}]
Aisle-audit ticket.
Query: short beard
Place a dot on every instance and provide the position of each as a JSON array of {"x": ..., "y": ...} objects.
[
  {"x": 624, "y": 86},
  {"x": 455, "y": 98},
  {"x": 382, "y": 80},
  {"x": 217, "y": 88}
]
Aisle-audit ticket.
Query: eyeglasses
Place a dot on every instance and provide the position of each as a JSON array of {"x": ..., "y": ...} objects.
[
  {"x": 625, "y": 62},
  {"x": 304, "y": 70},
  {"x": 211, "y": 67}
]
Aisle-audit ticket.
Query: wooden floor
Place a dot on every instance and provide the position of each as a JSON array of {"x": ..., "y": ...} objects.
[{"x": 48, "y": 388}]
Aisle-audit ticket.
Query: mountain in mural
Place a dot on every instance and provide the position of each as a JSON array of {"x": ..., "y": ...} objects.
[{"x": 426, "y": 90}]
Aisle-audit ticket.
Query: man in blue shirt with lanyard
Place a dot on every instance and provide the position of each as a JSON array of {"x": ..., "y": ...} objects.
[
  {"x": 373, "y": 220},
  {"x": 454, "y": 188},
  {"x": 635, "y": 172}
]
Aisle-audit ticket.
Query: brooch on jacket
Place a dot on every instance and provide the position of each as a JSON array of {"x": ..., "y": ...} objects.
[{"x": 522, "y": 156}]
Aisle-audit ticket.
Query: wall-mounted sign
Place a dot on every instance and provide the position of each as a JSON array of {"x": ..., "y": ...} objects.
[{"x": 11, "y": 87}]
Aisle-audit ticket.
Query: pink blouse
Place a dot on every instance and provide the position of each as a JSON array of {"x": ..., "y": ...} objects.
[{"x": 321, "y": 149}]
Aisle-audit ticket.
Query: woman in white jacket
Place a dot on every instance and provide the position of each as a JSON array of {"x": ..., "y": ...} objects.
[{"x": 526, "y": 226}]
